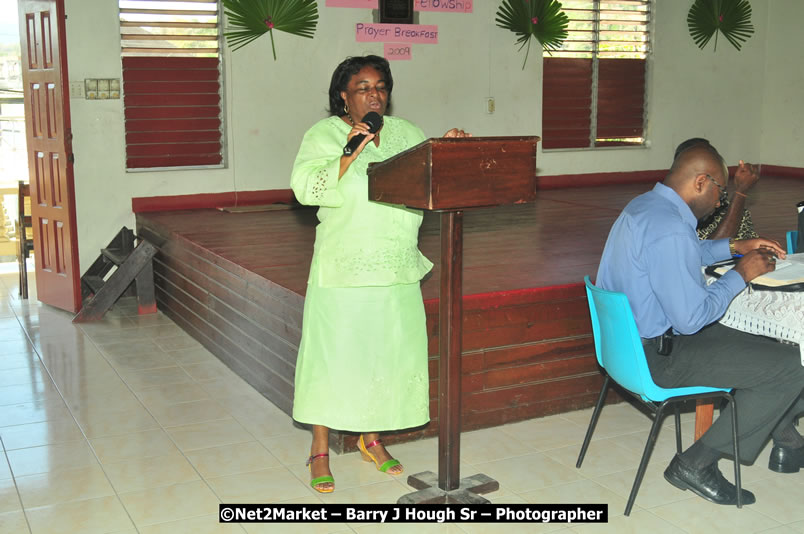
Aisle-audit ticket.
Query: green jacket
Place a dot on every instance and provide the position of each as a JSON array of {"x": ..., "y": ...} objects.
[{"x": 358, "y": 242}]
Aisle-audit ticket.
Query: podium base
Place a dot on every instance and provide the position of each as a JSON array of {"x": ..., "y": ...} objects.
[{"x": 467, "y": 492}]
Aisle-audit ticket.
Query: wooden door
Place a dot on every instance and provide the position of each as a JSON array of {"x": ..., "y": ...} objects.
[{"x": 50, "y": 168}]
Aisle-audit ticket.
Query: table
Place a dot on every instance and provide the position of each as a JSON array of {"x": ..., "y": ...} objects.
[{"x": 775, "y": 314}]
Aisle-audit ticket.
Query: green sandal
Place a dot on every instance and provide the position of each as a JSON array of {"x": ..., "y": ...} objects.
[
  {"x": 368, "y": 457},
  {"x": 320, "y": 480}
]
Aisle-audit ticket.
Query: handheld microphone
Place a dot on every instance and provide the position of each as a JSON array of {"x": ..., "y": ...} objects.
[{"x": 374, "y": 121}]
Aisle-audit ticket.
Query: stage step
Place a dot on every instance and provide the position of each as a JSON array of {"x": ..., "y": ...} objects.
[
  {"x": 95, "y": 283},
  {"x": 116, "y": 255},
  {"x": 133, "y": 270},
  {"x": 121, "y": 245}
]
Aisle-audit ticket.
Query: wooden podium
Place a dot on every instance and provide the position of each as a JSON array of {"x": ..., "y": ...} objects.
[{"x": 450, "y": 175}]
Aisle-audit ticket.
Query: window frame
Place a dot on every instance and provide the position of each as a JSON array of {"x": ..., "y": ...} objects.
[
  {"x": 130, "y": 52},
  {"x": 567, "y": 51}
]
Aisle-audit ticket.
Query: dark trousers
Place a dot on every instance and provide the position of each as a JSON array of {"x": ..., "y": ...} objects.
[{"x": 767, "y": 375}]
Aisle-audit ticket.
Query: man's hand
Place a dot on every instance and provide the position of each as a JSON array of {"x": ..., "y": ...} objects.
[
  {"x": 744, "y": 246},
  {"x": 756, "y": 263},
  {"x": 745, "y": 177}
]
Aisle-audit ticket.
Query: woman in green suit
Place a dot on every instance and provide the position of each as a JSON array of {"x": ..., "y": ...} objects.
[{"x": 362, "y": 364}]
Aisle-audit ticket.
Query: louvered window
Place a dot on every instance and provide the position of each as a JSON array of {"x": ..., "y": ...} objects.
[
  {"x": 171, "y": 83},
  {"x": 594, "y": 87}
]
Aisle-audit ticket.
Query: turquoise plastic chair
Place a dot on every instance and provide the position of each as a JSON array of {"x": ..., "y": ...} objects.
[
  {"x": 792, "y": 241},
  {"x": 619, "y": 352}
]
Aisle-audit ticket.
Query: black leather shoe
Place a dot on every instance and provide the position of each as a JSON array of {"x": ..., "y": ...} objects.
[
  {"x": 786, "y": 460},
  {"x": 707, "y": 482}
]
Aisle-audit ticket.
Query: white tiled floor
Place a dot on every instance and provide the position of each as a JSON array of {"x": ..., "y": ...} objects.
[{"x": 128, "y": 425}]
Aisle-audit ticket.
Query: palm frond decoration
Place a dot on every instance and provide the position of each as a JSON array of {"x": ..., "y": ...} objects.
[
  {"x": 542, "y": 19},
  {"x": 732, "y": 18},
  {"x": 250, "y": 19}
]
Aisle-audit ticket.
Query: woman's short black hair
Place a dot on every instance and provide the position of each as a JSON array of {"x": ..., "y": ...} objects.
[{"x": 348, "y": 68}]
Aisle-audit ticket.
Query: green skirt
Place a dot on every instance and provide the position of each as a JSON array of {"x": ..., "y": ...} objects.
[{"x": 362, "y": 362}]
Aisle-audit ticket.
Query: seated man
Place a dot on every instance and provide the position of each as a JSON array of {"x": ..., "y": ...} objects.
[
  {"x": 654, "y": 256},
  {"x": 730, "y": 219}
]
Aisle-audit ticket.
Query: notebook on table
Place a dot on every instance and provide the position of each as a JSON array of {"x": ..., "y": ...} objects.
[{"x": 788, "y": 276}]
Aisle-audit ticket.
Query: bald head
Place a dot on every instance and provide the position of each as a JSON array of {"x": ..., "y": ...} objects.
[
  {"x": 694, "y": 161},
  {"x": 691, "y": 142},
  {"x": 699, "y": 175}
]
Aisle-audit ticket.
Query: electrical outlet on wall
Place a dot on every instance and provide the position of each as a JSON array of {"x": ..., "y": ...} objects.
[
  {"x": 114, "y": 88},
  {"x": 489, "y": 104},
  {"x": 91, "y": 88},
  {"x": 76, "y": 89},
  {"x": 103, "y": 89}
]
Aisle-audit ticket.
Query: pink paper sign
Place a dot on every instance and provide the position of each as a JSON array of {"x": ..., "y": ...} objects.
[
  {"x": 397, "y": 33},
  {"x": 367, "y": 4},
  {"x": 397, "y": 51},
  {"x": 449, "y": 6}
]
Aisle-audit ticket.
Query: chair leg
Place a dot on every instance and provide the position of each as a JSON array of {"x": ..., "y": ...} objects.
[
  {"x": 737, "y": 481},
  {"x": 23, "y": 276},
  {"x": 19, "y": 268},
  {"x": 643, "y": 464},
  {"x": 678, "y": 428},
  {"x": 595, "y": 414}
]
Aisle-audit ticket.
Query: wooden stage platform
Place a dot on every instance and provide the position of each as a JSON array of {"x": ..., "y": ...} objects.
[{"x": 236, "y": 282}]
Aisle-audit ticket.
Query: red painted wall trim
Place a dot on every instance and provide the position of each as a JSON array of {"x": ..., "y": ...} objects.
[
  {"x": 781, "y": 171},
  {"x": 562, "y": 181},
  {"x": 212, "y": 200}
]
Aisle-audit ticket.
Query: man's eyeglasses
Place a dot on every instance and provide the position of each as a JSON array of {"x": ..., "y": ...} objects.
[{"x": 724, "y": 195}]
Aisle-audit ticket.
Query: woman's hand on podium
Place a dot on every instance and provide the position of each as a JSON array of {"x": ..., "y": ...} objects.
[{"x": 457, "y": 132}]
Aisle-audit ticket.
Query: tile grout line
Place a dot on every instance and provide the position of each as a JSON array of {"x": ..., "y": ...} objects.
[
  {"x": 164, "y": 428},
  {"x": 161, "y": 427},
  {"x": 80, "y": 429},
  {"x": 87, "y": 439},
  {"x": 16, "y": 488}
]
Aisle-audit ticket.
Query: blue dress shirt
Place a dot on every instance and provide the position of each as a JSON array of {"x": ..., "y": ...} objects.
[{"x": 654, "y": 256}]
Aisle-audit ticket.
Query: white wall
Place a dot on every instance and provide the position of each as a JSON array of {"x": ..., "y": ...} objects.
[
  {"x": 269, "y": 104},
  {"x": 274, "y": 102},
  {"x": 103, "y": 188},
  {"x": 696, "y": 93},
  {"x": 782, "y": 131}
]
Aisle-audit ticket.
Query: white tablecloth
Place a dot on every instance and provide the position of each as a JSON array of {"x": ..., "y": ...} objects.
[{"x": 776, "y": 314}]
